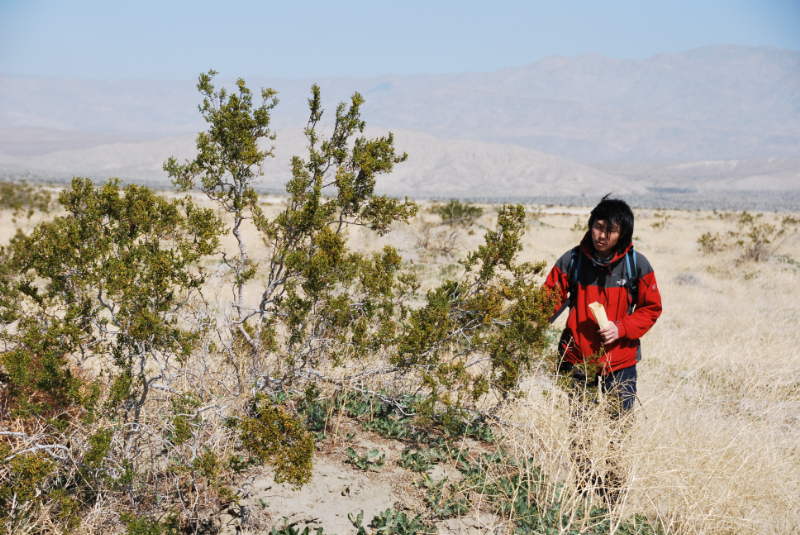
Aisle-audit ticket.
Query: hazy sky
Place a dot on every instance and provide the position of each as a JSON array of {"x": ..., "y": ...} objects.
[{"x": 166, "y": 39}]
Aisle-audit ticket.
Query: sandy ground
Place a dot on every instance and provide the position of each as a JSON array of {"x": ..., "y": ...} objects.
[
  {"x": 715, "y": 449},
  {"x": 715, "y": 445},
  {"x": 338, "y": 490}
]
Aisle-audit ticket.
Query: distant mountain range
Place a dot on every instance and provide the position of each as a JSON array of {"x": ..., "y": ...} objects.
[
  {"x": 713, "y": 127},
  {"x": 435, "y": 167},
  {"x": 713, "y": 103}
]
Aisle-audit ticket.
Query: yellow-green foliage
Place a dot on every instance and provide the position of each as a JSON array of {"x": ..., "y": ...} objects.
[
  {"x": 182, "y": 408},
  {"x": 277, "y": 437},
  {"x": 113, "y": 350},
  {"x": 580, "y": 226},
  {"x": 23, "y": 199},
  {"x": 22, "y": 481},
  {"x": 756, "y": 239}
]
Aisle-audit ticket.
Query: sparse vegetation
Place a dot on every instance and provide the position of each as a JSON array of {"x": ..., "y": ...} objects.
[
  {"x": 391, "y": 522},
  {"x": 437, "y": 240},
  {"x": 755, "y": 239},
  {"x": 154, "y": 363},
  {"x": 444, "y": 238},
  {"x": 663, "y": 221},
  {"x": 580, "y": 226},
  {"x": 367, "y": 461},
  {"x": 23, "y": 199},
  {"x": 456, "y": 213}
]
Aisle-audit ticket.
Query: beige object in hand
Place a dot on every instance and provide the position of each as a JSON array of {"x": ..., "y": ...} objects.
[{"x": 599, "y": 314}]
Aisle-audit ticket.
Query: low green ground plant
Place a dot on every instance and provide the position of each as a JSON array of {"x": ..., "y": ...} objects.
[{"x": 370, "y": 460}]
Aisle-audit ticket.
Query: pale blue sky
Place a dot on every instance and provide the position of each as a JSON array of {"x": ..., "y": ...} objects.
[{"x": 164, "y": 39}]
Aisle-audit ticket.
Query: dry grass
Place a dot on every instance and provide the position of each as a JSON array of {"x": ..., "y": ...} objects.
[
  {"x": 714, "y": 445},
  {"x": 714, "y": 448}
]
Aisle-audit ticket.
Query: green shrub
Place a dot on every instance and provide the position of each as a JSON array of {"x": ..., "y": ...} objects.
[
  {"x": 456, "y": 213},
  {"x": 712, "y": 243},
  {"x": 277, "y": 437},
  {"x": 23, "y": 199},
  {"x": 24, "y": 478},
  {"x": 757, "y": 241},
  {"x": 113, "y": 354},
  {"x": 135, "y": 525}
]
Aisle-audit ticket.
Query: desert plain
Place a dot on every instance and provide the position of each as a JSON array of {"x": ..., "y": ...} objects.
[{"x": 715, "y": 445}]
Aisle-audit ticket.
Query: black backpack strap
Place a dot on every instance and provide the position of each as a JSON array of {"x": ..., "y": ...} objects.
[
  {"x": 573, "y": 272},
  {"x": 633, "y": 279}
]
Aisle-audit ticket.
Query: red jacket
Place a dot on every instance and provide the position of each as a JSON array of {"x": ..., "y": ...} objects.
[{"x": 608, "y": 285}]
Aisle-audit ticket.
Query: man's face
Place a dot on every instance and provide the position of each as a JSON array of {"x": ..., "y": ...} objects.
[{"x": 604, "y": 237}]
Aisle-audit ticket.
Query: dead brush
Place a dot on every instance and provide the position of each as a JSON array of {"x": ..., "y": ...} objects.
[
  {"x": 437, "y": 239},
  {"x": 157, "y": 410},
  {"x": 756, "y": 240},
  {"x": 672, "y": 483},
  {"x": 183, "y": 399},
  {"x": 713, "y": 448}
]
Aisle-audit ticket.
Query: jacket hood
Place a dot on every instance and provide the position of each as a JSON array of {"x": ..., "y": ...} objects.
[{"x": 587, "y": 248}]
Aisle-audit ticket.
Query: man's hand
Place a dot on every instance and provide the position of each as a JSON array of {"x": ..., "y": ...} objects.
[{"x": 610, "y": 333}]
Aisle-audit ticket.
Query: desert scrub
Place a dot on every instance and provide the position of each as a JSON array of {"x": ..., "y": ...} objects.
[
  {"x": 755, "y": 239},
  {"x": 436, "y": 240},
  {"x": 456, "y": 213},
  {"x": 663, "y": 222},
  {"x": 580, "y": 226},
  {"x": 24, "y": 200},
  {"x": 149, "y": 397},
  {"x": 444, "y": 238},
  {"x": 274, "y": 435},
  {"x": 93, "y": 325},
  {"x": 324, "y": 307},
  {"x": 24, "y": 478}
]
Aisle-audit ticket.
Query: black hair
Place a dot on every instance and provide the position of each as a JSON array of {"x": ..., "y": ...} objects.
[{"x": 615, "y": 212}]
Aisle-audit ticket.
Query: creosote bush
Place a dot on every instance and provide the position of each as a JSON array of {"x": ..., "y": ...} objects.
[
  {"x": 756, "y": 240},
  {"x": 276, "y": 436},
  {"x": 130, "y": 400},
  {"x": 93, "y": 326},
  {"x": 456, "y": 213},
  {"x": 23, "y": 199}
]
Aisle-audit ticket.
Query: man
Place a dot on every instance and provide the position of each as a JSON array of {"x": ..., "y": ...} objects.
[{"x": 605, "y": 269}]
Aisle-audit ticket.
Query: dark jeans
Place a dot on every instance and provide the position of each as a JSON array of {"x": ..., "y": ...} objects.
[
  {"x": 619, "y": 385},
  {"x": 620, "y": 390}
]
